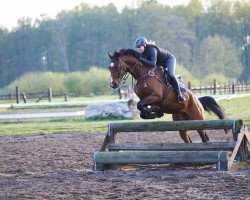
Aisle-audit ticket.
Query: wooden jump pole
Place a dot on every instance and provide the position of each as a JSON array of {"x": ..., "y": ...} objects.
[
  {"x": 234, "y": 124},
  {"x": 161, "y": 157},
  {"x": 223, "y": 154},
  {"x": 210, "y": 146}
]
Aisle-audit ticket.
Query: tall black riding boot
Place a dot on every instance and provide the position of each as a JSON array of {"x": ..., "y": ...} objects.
[{"x": 177, "y": 89}]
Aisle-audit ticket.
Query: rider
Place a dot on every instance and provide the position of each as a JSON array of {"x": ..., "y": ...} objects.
[{"x": 155, "y": 56}]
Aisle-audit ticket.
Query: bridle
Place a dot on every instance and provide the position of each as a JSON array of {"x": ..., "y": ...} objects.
[
  {"x": 122, "y": 78},
  {"x": 123, "y": 66}
]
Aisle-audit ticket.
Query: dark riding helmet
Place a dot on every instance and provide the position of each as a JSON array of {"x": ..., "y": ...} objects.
[{"x": 140, "y": 41}]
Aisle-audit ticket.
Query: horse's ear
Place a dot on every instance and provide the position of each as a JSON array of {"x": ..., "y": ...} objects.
[{"x": 110, "y": 55}]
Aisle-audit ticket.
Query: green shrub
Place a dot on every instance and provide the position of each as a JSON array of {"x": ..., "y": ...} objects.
[
  {"x": 74, "y": 82},
  {"x": 220, "y": 78},
  {"x": 95, "y": 81},
  {"x": 38, "y": 82},
  {"x": 186, "y": 75},
  {"x": 98, "y": 80}
]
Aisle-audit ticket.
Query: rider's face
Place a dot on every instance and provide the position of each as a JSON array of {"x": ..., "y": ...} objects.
[{"x": 141, "y": 49}]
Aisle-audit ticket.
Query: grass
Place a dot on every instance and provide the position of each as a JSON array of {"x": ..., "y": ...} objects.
[
  {"x": 234, "y": 108},
  {"x": 238, "y": 108}
]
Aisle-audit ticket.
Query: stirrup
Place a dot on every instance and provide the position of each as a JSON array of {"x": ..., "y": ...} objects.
[{"x": 181, "y": 99}]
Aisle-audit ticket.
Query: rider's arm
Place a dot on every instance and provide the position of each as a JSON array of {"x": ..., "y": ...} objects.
[{"x": 153, "y": 56}]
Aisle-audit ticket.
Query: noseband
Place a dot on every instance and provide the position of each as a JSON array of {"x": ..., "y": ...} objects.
[{"x": 123, "y": 68}]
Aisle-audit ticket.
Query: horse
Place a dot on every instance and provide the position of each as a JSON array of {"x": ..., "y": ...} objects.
[{"x": 156, "y": 93}]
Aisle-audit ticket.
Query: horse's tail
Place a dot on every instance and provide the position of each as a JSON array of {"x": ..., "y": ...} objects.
[{"x": 209, "y": 104}]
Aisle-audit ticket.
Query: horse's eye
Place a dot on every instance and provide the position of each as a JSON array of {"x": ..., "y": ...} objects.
[{"x": 112, "y": 64}]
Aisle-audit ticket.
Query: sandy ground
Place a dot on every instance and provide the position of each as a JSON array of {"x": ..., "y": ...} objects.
[{"x": 59, "y": 166}]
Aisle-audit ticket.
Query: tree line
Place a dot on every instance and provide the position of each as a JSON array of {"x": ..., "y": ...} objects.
[{"x": 207, "y": 37}]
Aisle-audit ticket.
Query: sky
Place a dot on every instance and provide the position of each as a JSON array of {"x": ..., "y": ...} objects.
[{"x": 12, "y": 10}]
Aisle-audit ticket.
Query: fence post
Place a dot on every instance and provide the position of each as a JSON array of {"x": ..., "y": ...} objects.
[
  {"x": 189, "y": 85},
  {"x": 17, "y": 95},
  {"x": 214, "y": 86},
  {"x": 66, "y": 97},
  {"x": 50, "y": 94},
  {"x": 233, "y": 87},
  {"x": 24, "y": 97},
  {"x": 10, "y": 96}
]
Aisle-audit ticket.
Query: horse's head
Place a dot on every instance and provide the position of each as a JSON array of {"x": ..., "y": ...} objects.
[
  {"x": 122, "y": 61},
  {"x": 118, "y": 70}
]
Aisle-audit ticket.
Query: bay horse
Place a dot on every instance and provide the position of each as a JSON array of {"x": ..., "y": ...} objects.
[{"x": 156, "y": 94}]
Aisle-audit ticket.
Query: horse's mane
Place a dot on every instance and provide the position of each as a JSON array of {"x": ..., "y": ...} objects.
[{"x": 130, "y": 52}]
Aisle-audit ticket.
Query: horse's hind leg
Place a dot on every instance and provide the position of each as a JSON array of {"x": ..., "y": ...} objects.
[
  {"x": 198, "y": 114},
  {"x": 184, "y": 134},
  {"x": 203, "y": 135}
]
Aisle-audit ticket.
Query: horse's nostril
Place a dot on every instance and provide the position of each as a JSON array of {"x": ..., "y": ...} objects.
[{"x": 114, "y": 86}]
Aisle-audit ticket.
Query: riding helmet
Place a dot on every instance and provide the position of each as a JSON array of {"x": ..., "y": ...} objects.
[{"x": 140, "y": 41}]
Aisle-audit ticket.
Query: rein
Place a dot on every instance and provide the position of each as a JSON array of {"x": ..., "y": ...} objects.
[{"x": 125, "y": 76}]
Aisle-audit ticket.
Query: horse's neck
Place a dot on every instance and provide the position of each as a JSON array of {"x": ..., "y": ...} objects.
[{"x": 137, "y": 69}]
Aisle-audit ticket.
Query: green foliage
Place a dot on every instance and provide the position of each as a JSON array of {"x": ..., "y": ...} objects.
[
  {"x": 97, "y": 80},
  {"x": 74, "y": 82},
  {"x": 94, "y": 81},
  {"x": 220, "y": 78},
  {"x": 206, "y": 37},
  {"x": 186, "y": 75},
  {"x": 38, "y": 82},
  {"x": 218, "y": 55}
]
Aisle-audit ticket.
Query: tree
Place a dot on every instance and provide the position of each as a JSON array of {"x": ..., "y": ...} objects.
[
  {"x": 7, "y": 60},
  {"x": 218, "y": 56},
  {"x": 80, "y": 38},
  {"x": 242, "y": 15}
]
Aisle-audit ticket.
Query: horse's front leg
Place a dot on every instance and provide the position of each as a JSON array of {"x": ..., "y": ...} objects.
[
  {"x": 144, "y": 102},
  {"x": 150, "y": 108}
]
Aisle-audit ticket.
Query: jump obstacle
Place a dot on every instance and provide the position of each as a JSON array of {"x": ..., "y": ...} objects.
[{"x": 224, "y": 154}]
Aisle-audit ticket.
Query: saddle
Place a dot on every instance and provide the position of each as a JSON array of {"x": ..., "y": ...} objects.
[{"x": 155, "y": 111}]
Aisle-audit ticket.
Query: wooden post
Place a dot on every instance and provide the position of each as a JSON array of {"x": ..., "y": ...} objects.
[
  {"x": 189, "y": 85},
  {"x": 214, "y": 86},
  {"x": 50, "y": 94},
  {"x": 233, "y": 87},
  {"x": 24, "y": 97},
  {"x": 17, "y": 95},
  {"x": 10, "y": 96},
  {"x": 66, "y": 97}
]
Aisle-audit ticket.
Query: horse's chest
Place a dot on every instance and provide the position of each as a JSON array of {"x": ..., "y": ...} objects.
[{"x": 142, "y": 90}]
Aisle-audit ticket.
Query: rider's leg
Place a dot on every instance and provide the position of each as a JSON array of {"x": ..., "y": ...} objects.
[
  {"x": 176, "y": 86},
  {"x": 171, "y": 63}
]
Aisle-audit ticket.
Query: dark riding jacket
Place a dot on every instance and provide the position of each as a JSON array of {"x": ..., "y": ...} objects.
[{"x": 155, "y": 56}]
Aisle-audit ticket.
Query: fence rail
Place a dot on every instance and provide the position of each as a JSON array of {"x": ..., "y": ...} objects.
[
  {"x": 226, "y": 88},
  {"x": 212, "y": 89}
]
